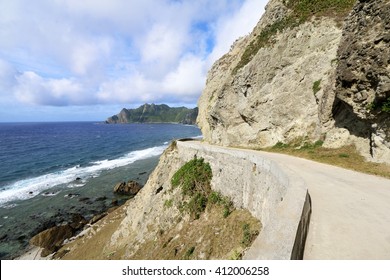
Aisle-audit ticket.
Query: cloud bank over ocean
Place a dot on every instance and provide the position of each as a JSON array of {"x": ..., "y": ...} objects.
[{"x": 59, "y": 55}]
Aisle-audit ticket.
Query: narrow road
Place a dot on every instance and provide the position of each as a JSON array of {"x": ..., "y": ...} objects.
[{"x": 350, "y": 210}]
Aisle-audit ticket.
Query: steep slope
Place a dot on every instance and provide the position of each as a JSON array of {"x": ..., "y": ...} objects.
[
  {"x": 278, "y": 84},
  {"x": 149, "y": 113},
  {"x": 362, "y": 104}
]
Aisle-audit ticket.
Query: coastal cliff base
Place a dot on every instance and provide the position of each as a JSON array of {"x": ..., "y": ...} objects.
[{"x": 153, "y": 226}]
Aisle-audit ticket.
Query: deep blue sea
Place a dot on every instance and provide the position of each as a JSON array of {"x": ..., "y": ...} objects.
[{"x": 50, "y": 171}]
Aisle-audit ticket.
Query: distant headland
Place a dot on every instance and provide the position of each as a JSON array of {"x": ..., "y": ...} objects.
[{"x": 152, "y": 113}]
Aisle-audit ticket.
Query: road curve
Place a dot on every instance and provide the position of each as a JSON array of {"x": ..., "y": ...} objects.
[{"x": 350, "y": 210}]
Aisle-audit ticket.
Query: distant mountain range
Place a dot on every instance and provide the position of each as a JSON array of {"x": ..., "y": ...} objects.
[{"x": 152, "y": 113}]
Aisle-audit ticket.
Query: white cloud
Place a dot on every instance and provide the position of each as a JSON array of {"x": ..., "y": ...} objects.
[
  {"x": 72, "y": 52},
  {"x": 241, "y": 23},
  {"x": 187, "y": 80},
  {"x": 7, "y": 77},
  {"x": 33, "y": 89},
  {"x": 87, "y": 56}
]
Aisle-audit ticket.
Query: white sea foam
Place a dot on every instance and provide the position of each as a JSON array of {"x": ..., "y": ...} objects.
[
  {"x": 72, "y": 186},
  {"x": 28, "y": 188},
  {"x": 50, "y": 193}
]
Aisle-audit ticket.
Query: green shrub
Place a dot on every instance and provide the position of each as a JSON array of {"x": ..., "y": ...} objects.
[
  {"x": 215, "y": 198},
  {"x": 197, "y": 205},
  {"x": 218, "y": 199},
  {"x": 316, "y": 86},
  {"x": 312, "y": 146},
  {"x": 194, "y": 176},
  {"x": 381, "y": 106},
  {"x": 280, "y": 145},
  {"x": 386, "y": 106},
  {"x": 246, "y": 235}
]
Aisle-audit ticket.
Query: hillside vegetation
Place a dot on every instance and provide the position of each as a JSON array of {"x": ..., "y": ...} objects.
[{"x": 301, "y": 11}]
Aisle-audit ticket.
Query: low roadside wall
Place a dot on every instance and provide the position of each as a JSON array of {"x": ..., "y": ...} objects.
[{"x": 270, "y": 191}]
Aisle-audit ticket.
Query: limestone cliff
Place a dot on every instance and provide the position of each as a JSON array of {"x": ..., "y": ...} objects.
[
  {"x": 362, "y": 104},
  {"x": 292, "y": 78}
]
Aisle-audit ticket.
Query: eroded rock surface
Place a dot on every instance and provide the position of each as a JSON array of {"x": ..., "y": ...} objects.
[
  {"x": 324, "y": 78},
  {"x": 362, "y": 102}
]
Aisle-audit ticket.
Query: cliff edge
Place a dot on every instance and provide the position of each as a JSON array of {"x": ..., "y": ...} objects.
[{"x": 309, "y": 71}]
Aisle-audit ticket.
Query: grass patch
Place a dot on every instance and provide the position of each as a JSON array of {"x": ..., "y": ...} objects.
[
  {"x": 168, "y": 203},
  {"x": 189, "y": 253},
  {"x": 236, "y": 255},
  {"x": 247, "y": 235},
  {"x": 301, "y": 11},
  {"x": 342, "y": 155},
  {"x": 316, "y": 86},
  {"x": 215, "y": 238},
  {"x": 346, "y": 157},
  {"x": 379, "y": 106},
  {"x": 216, "y": 198}
]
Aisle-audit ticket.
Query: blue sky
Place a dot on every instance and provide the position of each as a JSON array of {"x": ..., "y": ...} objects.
[{"x": 69, "y": 60}]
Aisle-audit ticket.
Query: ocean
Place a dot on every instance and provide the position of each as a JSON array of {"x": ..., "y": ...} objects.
[{"x": 51, "y": 171}]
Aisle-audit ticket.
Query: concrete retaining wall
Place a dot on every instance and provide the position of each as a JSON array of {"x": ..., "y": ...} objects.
[{"x": 271, "y": 192}]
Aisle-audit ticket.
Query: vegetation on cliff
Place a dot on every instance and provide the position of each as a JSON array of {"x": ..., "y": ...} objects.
[
  {"x": 194, "y": 178},
  {"x": 152, "y": 113}
]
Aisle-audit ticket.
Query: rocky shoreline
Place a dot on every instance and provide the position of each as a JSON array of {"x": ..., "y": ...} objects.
[{"x": 45, "y": 240}]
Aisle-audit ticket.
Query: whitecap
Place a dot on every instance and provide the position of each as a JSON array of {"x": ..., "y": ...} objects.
[
  {"x": 48, "y": 194},
  {"x": 72, "y": 186},
  {"x": 28, "y": 188},
  {"x": 9, "y": 206}
]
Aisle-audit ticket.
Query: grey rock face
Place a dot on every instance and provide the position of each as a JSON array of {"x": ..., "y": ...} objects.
[
  {"x": 321, "y": 79},
  {"x": 363, "y": 76},
  {"x": 271, "y": 98}
]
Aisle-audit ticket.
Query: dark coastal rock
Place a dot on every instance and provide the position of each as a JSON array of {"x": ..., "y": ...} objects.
[
  {"x": 52, "y": 238},
  {"x": 96, "y": 218},
  {"x": 129, "y": 188},
  {"x": 83, "y": 199},
  {"x": 112, "y": 209},
  {"x": 60, "y": 254},
  {"x": 3, "y": 237},
  {"x": 114, "y": 202},
  {"x": 78, "y": 222},
  {"x": 72, "y": 195},
  {"x": 101, "y": 198}
]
